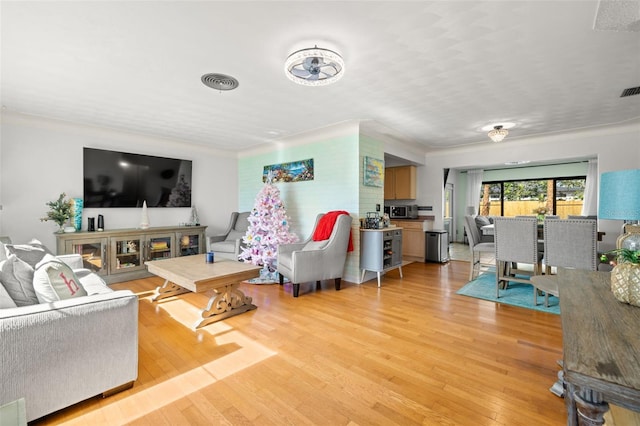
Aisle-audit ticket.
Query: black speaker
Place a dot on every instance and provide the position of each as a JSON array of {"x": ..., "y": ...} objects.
[{"x": 91, "y": 224}]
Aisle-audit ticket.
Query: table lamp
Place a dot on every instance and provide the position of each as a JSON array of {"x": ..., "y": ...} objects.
[{"x": 620, "y": 200}]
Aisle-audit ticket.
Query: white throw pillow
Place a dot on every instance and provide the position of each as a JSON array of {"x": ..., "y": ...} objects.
[
  {"x": 32, "y": 252},
  {"x": 92, "y": 282},
  {"x": 17, "y": 278},
  {"x": 54, "y": 280},
  {"x": 5, "y": 300}
]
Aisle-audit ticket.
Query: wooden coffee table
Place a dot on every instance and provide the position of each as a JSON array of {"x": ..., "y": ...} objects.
[{"x": 192, "y": 274}]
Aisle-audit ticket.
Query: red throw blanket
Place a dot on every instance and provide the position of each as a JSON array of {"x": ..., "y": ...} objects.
[{"x": 325, "y": 227}]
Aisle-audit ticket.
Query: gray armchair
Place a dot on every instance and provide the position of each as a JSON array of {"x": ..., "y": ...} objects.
[
  {"x": 228, "y": 244},
  {"x": 316, "y": 260}
]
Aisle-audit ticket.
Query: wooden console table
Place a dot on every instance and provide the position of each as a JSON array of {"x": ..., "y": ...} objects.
[{"x": 601, "y": 344}]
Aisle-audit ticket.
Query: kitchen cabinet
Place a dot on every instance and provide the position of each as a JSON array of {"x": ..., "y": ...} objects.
[
  {"x": 400, "y": 183},
  {"x": 413, "y": 240}
]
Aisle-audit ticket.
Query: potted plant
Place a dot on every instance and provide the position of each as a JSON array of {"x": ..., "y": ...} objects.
[
  {"x": 59, "y": 212},
  {"x": 540, "y": 213},
  {"x": 625, "y": 276}
]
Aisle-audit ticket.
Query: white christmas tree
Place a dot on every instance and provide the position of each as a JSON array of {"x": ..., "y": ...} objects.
[{"x": 268, "y": 227}]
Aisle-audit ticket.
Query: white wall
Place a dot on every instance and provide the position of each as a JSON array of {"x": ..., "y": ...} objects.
[
  {"x": 41, "y": 158},
  {"x": 334, "y": 187},
  {"x": 616, "y": 148}
]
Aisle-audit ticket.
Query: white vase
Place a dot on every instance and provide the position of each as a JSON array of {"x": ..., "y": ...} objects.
[{"x": 144, "y": 217}]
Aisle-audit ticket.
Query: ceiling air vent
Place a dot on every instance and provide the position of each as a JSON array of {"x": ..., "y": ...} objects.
[
  {"x": 630, "y": 92},
  {"x": 219, "y": 81}
]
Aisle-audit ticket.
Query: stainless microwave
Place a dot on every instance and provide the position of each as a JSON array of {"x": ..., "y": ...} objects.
[{"x": 403, "y": 212}]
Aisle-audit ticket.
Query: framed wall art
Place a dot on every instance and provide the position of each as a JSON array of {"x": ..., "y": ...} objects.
[
  {"x": 373, "y": 172},
  {"x": 295, "y": 171}
]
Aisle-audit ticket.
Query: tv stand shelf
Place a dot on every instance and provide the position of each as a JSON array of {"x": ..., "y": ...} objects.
[{"x": 120, "y": 254}]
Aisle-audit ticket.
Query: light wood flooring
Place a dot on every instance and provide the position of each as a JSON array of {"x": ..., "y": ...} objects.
[{"x": 410, "y": 353}]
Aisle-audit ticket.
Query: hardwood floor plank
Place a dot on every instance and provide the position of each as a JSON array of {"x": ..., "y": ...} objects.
[{"x": 410, "y": 352}]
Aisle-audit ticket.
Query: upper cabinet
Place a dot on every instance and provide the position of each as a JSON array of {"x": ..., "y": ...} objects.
[{"x": 400, "y": 183}]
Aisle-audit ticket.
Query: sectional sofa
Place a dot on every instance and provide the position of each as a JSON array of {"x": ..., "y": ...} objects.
[{"x": 55, "y": 353}]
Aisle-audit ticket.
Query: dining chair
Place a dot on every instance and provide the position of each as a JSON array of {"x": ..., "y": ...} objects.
[
  {"x": 516, "y": 241},
  {"x": 593, "y": 217},
  {"x": 477, "y": 248},
  {"x": 568, "y": 243}
]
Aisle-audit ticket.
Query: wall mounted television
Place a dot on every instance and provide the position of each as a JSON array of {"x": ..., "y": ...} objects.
[{"x": 121, "y": 179}]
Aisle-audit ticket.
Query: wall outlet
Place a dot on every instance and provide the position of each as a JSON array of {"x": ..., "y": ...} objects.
[{"x": 377, "y": 207}]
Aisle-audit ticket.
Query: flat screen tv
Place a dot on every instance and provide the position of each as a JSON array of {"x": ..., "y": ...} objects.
[{"x": 121, "y": 179}]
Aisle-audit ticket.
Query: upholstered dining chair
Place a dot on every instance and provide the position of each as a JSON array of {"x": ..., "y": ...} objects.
[
  {"x": 316, "y": 260},
  {"x": 476, "y": 248},
  {"x": 568, "y": 243},
  {"x": 228, "y": 244},
  {"x": 516, "y": 240}
]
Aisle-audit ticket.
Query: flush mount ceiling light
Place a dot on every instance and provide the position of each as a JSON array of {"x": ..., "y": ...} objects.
[
  {"x": 498, "y": 130},
  {"x": 219, "y": 81},
  {"x": 314, "y": 67},
  {"x": 498, "y": 134}
]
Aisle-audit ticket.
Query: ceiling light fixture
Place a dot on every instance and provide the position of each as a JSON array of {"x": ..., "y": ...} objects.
[
  {"x": 314, "y": 67},
  {"x": 498, "y": 133}
]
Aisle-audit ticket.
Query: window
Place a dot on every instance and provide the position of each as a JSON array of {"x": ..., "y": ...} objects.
[
  {"x": 557, "y": 196},
  {"x": 569, "y": 197}
]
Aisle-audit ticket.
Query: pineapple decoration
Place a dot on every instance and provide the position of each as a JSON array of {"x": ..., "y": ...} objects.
[
  {"x": 625, "y": 277},
  {"x": 268, "y": 227}
]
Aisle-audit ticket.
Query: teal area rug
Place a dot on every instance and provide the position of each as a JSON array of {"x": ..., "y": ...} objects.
[{"x": 517, "y": 294}]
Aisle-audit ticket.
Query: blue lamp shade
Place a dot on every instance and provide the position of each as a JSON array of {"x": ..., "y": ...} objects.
[{"x": 620, "y": 195}]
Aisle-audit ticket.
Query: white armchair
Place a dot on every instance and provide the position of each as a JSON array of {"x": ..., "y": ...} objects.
[
  {"x": 316, "y": 260},
  {"x": 228, "y": 244}
]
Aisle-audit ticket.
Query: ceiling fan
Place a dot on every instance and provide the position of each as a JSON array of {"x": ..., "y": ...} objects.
[{"x": 314, "y": 67}]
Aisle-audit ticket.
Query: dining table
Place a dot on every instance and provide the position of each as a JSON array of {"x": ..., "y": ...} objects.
[
  {"x": 488, "y": 229},
  {"x": 601, "y": 347}
]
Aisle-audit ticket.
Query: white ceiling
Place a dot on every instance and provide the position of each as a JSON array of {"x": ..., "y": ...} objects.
[{"x": 435, "y": 72}]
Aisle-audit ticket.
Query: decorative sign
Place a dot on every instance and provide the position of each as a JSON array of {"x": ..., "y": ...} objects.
[
  {"x": 296, "y": 171},
  {"x": 373, "y": 172}
]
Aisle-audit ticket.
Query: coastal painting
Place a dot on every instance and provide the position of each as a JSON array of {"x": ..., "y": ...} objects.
[
  {"x": 373, "y": 172},
  {"x": 295, "y": 171}
]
